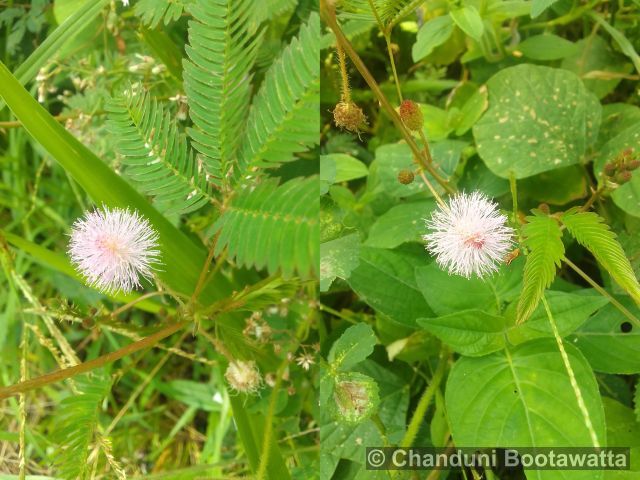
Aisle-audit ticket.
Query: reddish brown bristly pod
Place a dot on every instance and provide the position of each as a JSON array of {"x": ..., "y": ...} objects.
[
  {"x": 411, "y": 115},
  {"x": 349, "y": 116},
  {"x": 406, "y": 177}
]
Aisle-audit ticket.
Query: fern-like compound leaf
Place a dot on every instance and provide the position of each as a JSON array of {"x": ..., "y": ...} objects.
[
  {"x": 157, "y": 156},
  {"x": 274, "y": 227},
  {"x": 543, "y": 238},
  {"x": 284, "y": 116},
  {"x": 152, "y": 12},
  {"x": 75, "y": 425},
  {"x": 222, "y": 49},
  {"x": 591, "y": 231}
]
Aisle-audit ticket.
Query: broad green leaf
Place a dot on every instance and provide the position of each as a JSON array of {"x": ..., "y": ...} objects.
[
  {"x": 539, "y": 119},
  {"x": 468, "y": 332},
  {"x": 591, "y": 231},
  {"x": 390, "y": 159},
  {"x": 539, "y": 6},
  {"x": 448, "y": 294},
  {"x": 530, "y": 402},
  {"x": 623, "y": 42},
  {"x": 385, "y": 280},
  {"x": 594, "y": 55},
  {"x": 626, "y": 196},
  {"x": 623, "y": 429},
  {"x": 182, "y": 259},
  {"x": 353, "y": 346},
  {"x": 543, "y": 238},
  {"x": 338, "y": 258},
  {"x": 469, "y": 21},
  {"x": 569, "y": 311},
  {"x": 556, "y": 187},
  {"x": 431, "y": 35},
  {"x": 547, "y": 47},
  {"x": 341, "y": 167},
  {"x": 472, "y": 110},
  {"x": 610, "y": 341},
  {"x": 508, "y": 9},
  {"x": 400, "y": 224}
]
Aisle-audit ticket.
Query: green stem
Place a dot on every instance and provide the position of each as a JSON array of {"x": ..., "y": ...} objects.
[
  {"x": 65, "y": 373},
  {"x": 421, "y": 410},
  {"x": 328, "y": 15},
  {"x": 602, "y": 291}
]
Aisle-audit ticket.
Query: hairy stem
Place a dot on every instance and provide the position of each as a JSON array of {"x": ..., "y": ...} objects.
[
  {"x": 328, "y": 15},
  {"x": 65, "y": 373},
  {"x": 572, "y": 376}
]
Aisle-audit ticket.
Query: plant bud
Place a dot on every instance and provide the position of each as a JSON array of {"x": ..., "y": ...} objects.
[
  {"x": 610, "y": 168},
  {"x": 405, "y": 177},
  {"x": 633, "y": 164},
  {"x": 623, "y": 177},
  {"x": 411, "y": 115},
  {"x": 349, "y": 116},
  {"x": 243, "y": 376},
  {"x": 544, "y": 208}
]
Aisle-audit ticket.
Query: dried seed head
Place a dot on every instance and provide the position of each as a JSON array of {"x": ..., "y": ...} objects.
[
  {"x": 243, "y": 376},
  {"x": 349, "y": 116},
  {"x": 405, "y": 177},
  {"x": 411, "y": 115}
]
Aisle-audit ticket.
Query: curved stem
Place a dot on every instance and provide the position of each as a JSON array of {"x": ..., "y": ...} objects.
[
  {"x": 602, "y": 291},
  {"x": 328, "y": 15},
  {"x": 65, "y": 373}
]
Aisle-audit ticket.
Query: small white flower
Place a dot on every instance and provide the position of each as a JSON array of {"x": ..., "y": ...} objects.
[
  {"x": 113, "y": 248},
  {"x": 469, "y": 235},
  {"x": 125, "y": 3}
]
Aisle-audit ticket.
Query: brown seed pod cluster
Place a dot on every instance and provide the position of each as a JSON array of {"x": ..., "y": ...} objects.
[
  {"x": 620, "y": 170},
  {"x": 349, "y": 116}
]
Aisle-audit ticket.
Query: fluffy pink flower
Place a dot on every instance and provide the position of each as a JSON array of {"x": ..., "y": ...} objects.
[
  {"x": 469, "y": 235},
  {"x": 113, "y": 248}
]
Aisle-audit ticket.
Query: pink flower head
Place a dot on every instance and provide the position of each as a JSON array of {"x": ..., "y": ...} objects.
[
  {"x": 469, "y": 235},
  {"x": 112, "y": 248}
]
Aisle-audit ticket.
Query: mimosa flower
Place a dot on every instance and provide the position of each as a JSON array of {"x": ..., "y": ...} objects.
[
  {"x": 469, "y": 235},
  {"x": 113, "y": 248}
]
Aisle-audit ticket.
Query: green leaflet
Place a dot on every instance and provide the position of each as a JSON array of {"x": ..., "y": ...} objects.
[
  {"x": 284, "y": 118},
  {"x": 76, "y": 422},
  {"x": 152, "y": 12},
  {"x": 157, "y": 155},
  {"x": 222, "y": 50},
  {"x": 543, "y": 237},
  {"x": 273, "y": 226},
  {"x": 590, "y": 230}
]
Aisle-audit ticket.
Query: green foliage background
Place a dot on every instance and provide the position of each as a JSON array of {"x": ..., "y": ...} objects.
[
  {"x": 187, "y": 111},
  {"x": 527, "y": 102}
]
